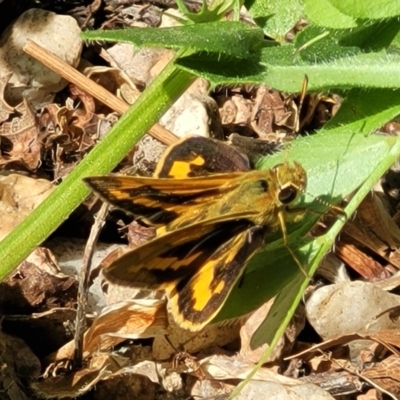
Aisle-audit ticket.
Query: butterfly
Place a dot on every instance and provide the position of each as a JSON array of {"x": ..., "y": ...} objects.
[{"x": 212, "y": 213}]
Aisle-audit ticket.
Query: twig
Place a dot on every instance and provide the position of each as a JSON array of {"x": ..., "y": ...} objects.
[
  {"x": 353, "y": 371},
  {"x": 80, "y": 322},
  {"x": 98, "y": 92}
]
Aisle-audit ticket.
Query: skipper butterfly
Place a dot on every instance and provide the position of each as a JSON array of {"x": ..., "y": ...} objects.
[{"x": 212, "y": 213}]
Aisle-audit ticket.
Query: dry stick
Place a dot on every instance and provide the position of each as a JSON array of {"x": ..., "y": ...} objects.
[
  {"x": 80, "y": 322},
  {"x": 104, "y": 96},
  {"x": 353, "y": 371}
]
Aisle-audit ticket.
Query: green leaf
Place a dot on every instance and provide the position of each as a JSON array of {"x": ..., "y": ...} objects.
[
  {"x": 319, "y": 45},
  {"x": 233, "y": 39},
  {"x": 281, "y": 312},
  {"x": 377, "y": 9},
  {"x": 327, "y": 48},
  {"x": 372, "y": 35},
  {"x": 275, "y": 67},
  {"x": 365, "y": 111},
  {"x": 323, "y": 13},
  {"x": 286, "y": 302},
  {"x": 336, "y": 165},
  {"x": 396, "y": 42},
  {"x": 372, "y": 70},
  {"x": 276, "y": 17}
]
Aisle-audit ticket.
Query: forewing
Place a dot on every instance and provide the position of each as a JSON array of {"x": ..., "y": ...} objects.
[
  {"x": 196, "y": 299},
  {"x": 160, "y": 201}
]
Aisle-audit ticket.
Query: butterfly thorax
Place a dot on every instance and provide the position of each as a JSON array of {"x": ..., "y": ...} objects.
[{"x": 258, "y": 196}]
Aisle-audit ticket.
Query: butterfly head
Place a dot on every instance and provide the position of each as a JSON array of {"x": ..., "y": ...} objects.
[{"x": 292, "y": 182}]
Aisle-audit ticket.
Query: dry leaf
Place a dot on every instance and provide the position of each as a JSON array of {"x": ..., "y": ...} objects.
[
  {"x": 19, "y": 195},
  {"x": 128, "y": 320},
  {"x": 19, "y": 139},
  {"x": 35, "y": 285},
  {"x": 18, "y": 365},
  {"x": 374, "y": 228},
  {"x": 386, "y": 374}
]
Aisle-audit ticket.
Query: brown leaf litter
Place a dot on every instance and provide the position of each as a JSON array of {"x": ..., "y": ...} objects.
[{"x": 131, "y": 348}]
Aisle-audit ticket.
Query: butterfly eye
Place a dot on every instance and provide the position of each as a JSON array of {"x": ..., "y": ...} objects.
[{"x": 287, "y": 194}]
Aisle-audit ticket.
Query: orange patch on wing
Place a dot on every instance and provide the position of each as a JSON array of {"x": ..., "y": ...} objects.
[
  {"x": 182, "y": 169},
  {"x": 201, "y": 287}
]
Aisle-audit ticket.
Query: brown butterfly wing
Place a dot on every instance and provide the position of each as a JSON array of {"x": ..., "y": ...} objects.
[
  {"x": 176, "y": 254},
  {"x": 199, "y": 156},
  {"x": 160, "y": 201},
  {"x": 196, "y": 299},
  {"x": 197, "y": 266}
]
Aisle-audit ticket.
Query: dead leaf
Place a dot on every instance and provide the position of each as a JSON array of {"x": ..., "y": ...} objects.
[
  {"x": 247, "y": 332},
  {"x": 215, "y": 335},
  {"x": 5, "y": 109},
  {"x": 129, "y": 320},
  {"x": 114, "y": 80},
  {"x": 56, "y": 325},
  {"x": 264, "y": 384},
  {"x": 386, "y": 374},
  {"x": 19, "y": 195},
  {"x": 366, "y": 266},
  {"x": 19, "y": 139},
  {"x": 374, "y": 228},
  {"x": 18, "y": 365},
  {"x": 77, "y": 383},
  {"x": 35, "y": 286}
]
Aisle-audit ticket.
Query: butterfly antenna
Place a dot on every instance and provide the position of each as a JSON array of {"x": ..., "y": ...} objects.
[
  {"x": 303, "y": 93},
  {"x": 286, "y": 243},
  {"x": 287, "y": 146}
]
